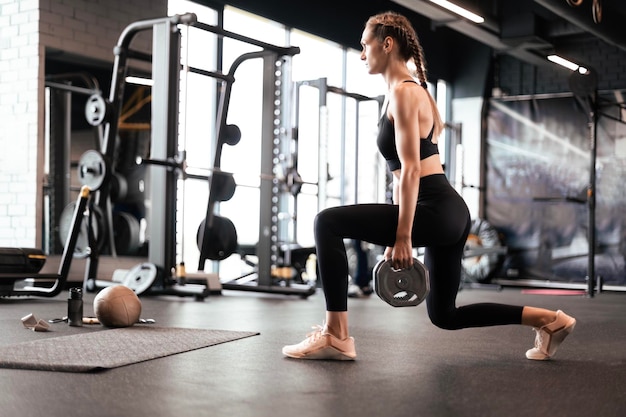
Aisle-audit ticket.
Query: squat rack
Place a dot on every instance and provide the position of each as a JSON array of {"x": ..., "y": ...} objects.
[
  {"x": 165, "y": 60},
  {"x": 324, "y": 89}
]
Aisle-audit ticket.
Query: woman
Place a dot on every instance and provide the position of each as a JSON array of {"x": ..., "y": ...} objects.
[{"x": 427, "y": 212}]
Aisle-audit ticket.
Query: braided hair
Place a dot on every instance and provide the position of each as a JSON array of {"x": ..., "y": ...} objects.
[{"x": 400, "y": 29}]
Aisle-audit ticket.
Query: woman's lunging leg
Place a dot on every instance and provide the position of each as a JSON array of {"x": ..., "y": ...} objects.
[
  {"x": 374, "y": 223},
  {"x": 444, "y": 265}
]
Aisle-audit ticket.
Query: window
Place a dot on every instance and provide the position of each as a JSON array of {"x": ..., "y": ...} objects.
[{"x": 335, "y": 143}]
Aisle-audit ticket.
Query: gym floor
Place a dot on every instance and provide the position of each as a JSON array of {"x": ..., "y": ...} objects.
[{"x": 405, "y": 367}]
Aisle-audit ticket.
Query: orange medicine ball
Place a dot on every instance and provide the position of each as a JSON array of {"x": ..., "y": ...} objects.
[{"x": 117, "y": 306}]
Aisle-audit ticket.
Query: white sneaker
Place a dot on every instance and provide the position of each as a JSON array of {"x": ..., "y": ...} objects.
[
  {"x": 320, "y": 344},
  {"x": 354, "y": 291},
  {"x": 549, "y": 337}
]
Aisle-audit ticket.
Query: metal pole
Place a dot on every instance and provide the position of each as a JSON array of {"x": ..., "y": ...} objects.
[
  {"x": 591, "y": 199},
  {"x": 164, "y": 136},
  {"x": 356, "y": 154},
  {"x": 266, "y": 250},
  {"x": 322, "y": 167},
  {"x": 59, "y": 177}
]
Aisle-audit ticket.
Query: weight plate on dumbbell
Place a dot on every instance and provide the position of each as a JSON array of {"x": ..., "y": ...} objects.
[
  {"x": 93, "y": 169},
  {"x": 401, "y": 287},
  {"x": 141, "y": 277}
]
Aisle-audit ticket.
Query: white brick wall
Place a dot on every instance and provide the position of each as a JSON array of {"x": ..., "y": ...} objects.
[
  {"x": 19, "y": 74},
  {"x": 29, "y": 28}
]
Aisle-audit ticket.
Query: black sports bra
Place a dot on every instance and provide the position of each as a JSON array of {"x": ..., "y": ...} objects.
[{"x": 386, "y": 142}]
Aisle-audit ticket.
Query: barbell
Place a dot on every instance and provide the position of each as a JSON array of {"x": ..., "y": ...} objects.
[{"x": 290, "y": 182}]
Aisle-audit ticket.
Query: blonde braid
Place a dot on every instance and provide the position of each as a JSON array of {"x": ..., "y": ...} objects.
[{"x": 418, "y": 59}]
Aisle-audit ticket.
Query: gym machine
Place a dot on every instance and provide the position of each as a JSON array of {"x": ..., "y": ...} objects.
[
  {"x": 60, "y": 91},
  {"x": 20, "y": 267},
  {"x": 97, "y": 167},
  {"x": 273, "y": 257},
  {"x": 217, "y": 237},
  {"x": 287, "y": 257},
  {"x": 324, "y": 90}
]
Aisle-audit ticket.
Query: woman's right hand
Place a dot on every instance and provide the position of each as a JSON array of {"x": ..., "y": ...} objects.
[{"x": 388, "y": 253}]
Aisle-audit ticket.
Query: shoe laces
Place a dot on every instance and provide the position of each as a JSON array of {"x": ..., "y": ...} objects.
[
  {"x": 318, "y": 331},
  {"x": 539, "y": 338}
]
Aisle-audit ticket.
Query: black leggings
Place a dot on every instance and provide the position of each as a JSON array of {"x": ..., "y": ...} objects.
[{"x": 441, "y": 226}]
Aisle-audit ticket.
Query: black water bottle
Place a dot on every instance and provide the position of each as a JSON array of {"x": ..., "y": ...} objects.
[{"x": 75, "y": 307}]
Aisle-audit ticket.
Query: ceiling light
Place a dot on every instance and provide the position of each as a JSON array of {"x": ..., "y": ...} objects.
[
  {"x": 459, "y": 10},
  {"x": 139, "y": 81},
  {"x": 566, "y": 63}
]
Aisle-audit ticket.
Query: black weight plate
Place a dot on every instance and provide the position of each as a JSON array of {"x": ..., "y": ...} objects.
[
  {"x": 403, "y": 287},
  {"x": 219, "y": 241},
  {"x": 231, "y": 135},
  {"x": 222, "y": 186},
  {"x": 126, "y": 233}
]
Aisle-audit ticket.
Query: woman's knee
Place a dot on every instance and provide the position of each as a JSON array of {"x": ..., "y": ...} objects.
[
  {"x": 326, "y": 220},
  {"x": 445, "y": 320},
  {"x": 321, "y": 221}
]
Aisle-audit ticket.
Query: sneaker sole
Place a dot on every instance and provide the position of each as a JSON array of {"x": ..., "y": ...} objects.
[{"x": 327, "y": 353}]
